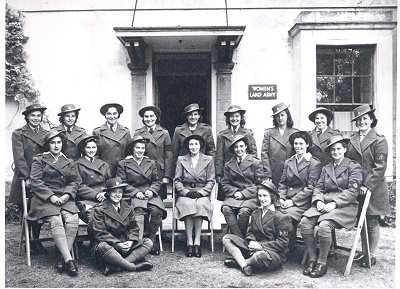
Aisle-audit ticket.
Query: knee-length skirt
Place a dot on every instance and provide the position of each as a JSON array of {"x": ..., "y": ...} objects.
[{"x": 201, "y": 207}]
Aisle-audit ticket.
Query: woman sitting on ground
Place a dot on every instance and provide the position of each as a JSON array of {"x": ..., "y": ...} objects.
[{"x": 266, "y": 241}]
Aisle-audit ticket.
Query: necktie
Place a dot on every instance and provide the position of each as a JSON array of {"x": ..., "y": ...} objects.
[
  {"x": 151, "y": 130},
  {"x": 91, "y": 159},
  {"x": 37, "y": 130},
  {"x": 69, "y": 129},
  {"x": 239, "y": 160},
  {"x": 112, "y": 127},
  {"x": 118, "y": 209},
  {"x": 319, "y": 132}
]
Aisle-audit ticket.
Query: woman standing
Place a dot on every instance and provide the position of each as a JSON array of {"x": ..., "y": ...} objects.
[
  {"x": 192, "y": 113},
  {"x": 93, "y": 174},
  {"x": 266, "y": 240},
  {"x": 276, "y": 148},
  {"x": 159, "y": 148},
  {"x": 68, "y": 118},
  {"x": 194, "y": 181},
  {"x": 143, "y": 185},
  {"x": 235, "y": 120},
  {"x": 54, "y": 189},
  {"x": 322, "y": 132},
  {"x": 242, "y": 174},
  {"x": 113, "y": 137},
  {"x": 116, "y": 232},
  {"x": 300, "y": 175},
  {"x": 334, "y": 205},
  {"x": 370, "y": 149}
]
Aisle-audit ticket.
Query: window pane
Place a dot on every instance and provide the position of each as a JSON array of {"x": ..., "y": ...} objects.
[
  {"x": 362, "y": 61},
  {"x": 362, "y": 90},
  {"x": 343, "y": 90},
  {"x": 325, "y": 64},
  {"x": 343, "y": 61},
  {"x": 325, "y": 87}
]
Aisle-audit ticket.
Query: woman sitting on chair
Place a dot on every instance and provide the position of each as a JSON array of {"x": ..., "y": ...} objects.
[
  {"x": 334, "y": 205},
  {"x": 266, "y": 241},
  {"x": 54, "y": 187},
  {"x": 117, "y": 234},
  {"x": 143, "y": 185},
  {"x": 194, "y": 181}
]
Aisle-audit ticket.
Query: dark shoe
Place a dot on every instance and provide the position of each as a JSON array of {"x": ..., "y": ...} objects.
[
  {"x": 144, "y": 266},
  {"x": 248, "y": 270},
  {"x": 155, "y": 250},
  {"x": 230, "y": 263},
  {"x": 197, "y": 251},
  {"x": 60, "y": 266},
  {"x": 71, "y": 268},
  {"x": 364, "y": 262},
  {"x": 310, "y": 266},
  {"x": 109, "y": 269},
  {"x": 359, "y": 257},
  {"x": 189, "y": 251},
  {"x": 318, "y": 271}
]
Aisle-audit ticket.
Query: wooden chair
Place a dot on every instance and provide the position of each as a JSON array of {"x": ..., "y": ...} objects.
[
  {"x": 362, "y": 222},
  {"x": 175, "y": 231}
]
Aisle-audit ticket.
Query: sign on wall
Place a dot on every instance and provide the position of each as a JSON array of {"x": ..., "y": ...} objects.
[{"x": 263, "y": 91}]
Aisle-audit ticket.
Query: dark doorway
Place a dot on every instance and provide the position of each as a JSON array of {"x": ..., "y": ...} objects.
[{"x": 181, "y": 79}]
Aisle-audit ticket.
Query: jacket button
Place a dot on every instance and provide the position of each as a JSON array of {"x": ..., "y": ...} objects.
[
  {"x": 62, "y": 177},
  {"x": 91, "y": 177}
]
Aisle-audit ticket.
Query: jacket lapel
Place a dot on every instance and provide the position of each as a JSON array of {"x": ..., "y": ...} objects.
[
  {"x": 187, "y": 164},
  {"x": 120, "y": 132},
  {"x": 355, "y": 141},
  {"x": 277, "y": 136},
  {"x": 315, "y": 138},
  {"x": 95, "y": 166},
  {"x": 201, "y": 164},
  {"x": 227, "y": 133},
  {"x": 158, "y": 132},
  {"x": 293, "y": 166},
  {"x": 304, "y": 163},
  {"x": 29, "y": 133},
  {"x": 330, "y": 170},
  {"x": 185, "y": 131},
  {"x": 247, "y": 162},
  {"x": 256, "y": 216},
  {"x": 143, "y": 131},
  {"x": 342, "y": 167},
  {"x": 133, "y": 165},
  {"x": 368, "y": 139},
  {"x": 325, "y": 135},
  {"x": 57, "y": 165},
  {"x": 233, "y": 165},
  {"x": 110, "y": 211}
]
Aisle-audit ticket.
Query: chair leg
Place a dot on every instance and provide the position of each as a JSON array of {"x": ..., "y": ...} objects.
[
  {"x": 173, "y": 235},
  {"x": 159, "y": 239},
  {"x": 212, "y": 235},
  {"x": 27, "y": 242},
  {"x": 368, "y": 253},
  {"x": 334, "y": 244}
]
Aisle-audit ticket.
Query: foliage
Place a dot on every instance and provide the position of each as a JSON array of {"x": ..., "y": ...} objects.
[
  {"x": 19, "y": 84},
  {"x": 390, "y": 220}
]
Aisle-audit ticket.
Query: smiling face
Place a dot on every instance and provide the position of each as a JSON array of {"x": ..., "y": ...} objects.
[
  {"x": 300, "y": 146},
  {"x": 90, "y": 149},
  {"x": 321, "y": 122},
  {"x": 193, "y": 117},
  {"x": 149, "y": 118},
  {"x": 194, "y": 146},
  {"x": 364, "y": 122},
  {"x": 112, "y": 115},
  {"x": 55, "y": 145},
  {"x": 281, "y": 118},
  {"x": 338, "y": 151},
  {"x": 115, "y": 196},
  {"x": 138, "y": 150},
  {"x": 234, "y": 119},
  {"x": 69, "y": 119},
  {"x": 240, "y": 148},
  {"x": 264, "y": 197},
  {"x": 34, "y": 118}
]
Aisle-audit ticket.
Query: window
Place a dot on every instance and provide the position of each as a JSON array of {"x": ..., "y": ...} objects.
[{"x": 344, "y": 80}]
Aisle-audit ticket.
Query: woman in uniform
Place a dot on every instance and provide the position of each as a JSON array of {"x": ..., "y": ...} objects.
[
  {"x": 141, "y": 175},
  {"x": 54, "y": 187},
  {"x": 276, "y": 148},
  {"x": 322, "y": 132},
  {"x": 333, "y": 205},
  {"x": 242, "y": 174},
  {"x": 194, "y": 181},
  {"x": 68, "y": 118},
  {"x": 193, "y": 125},
  {"x": 116, "y": 232},
  {"x": 159, "y": 148},
  {"x": 300, "y": 175},
  {"x": 113, "y": 137},
  {"x": 266, "y": 240},
  {"x": 370, "y": 149}
]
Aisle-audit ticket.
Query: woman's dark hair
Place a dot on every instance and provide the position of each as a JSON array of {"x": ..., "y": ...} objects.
[
  {"x": 26, "y": 116},
  {"x": 246, "y": 142},
  {"x": 156, "y": 113},
  {"x": 61, "y": 119},
  {"x": 274, "y": 197},
  {"x": 86, "y": 141},
  {"x": 200, "y": 118},
  {"x": 328, "y": 117},
  {"x": 289, "y": 122},
  {"x": 46, "y": 146},
  {"x": 303, "y": 135},
  {"x": 242, "y": 119},
  {"x": 129, "y": 149},
  {"x": 374, "y": 119}
]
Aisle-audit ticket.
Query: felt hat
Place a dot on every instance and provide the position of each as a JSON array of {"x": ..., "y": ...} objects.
[
  {"x": 278, "y": 108},
  {"x": 234, "y": 108},
  {"x": 34, "y": 107},
  {"x": 68, "y": 108},
  {"x": 106, "y": 106}
]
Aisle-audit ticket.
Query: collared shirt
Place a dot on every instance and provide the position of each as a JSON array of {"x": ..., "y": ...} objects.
[
  {"x": 151, "y": 129},
  {"x": 281, "y": 131},
  {"x": 117, "y": 208},
  {"x": 66, "y": 127},
  {"x": 270, "y": 208},
  {"x": 194, "y": 160},
  {"x": 240, "y": 159},
  {"x": 138, "y": 161},
  {"x": 321, "y": 130},
  {"x": 234, "y": 129},
  {"x": 362, "y": 135},
  {"x": 114, "y": 128},
  {"x": 35, "y": 129},
  {"x": 90, "y": 159},
  {"x": 55, "y": 157},
  {"x": 335, "y": 165}
]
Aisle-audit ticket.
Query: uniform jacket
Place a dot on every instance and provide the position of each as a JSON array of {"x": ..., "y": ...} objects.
[
  {"x": 50, "y": 177},
  {"x": 200, "y": 179},
  {"x": 25, "y": 145},
  {"x": 140, "y": 179},
  {"x": 112, "y": 144},
  {"x": 275, "y": 150},
  {"x": 159, "y": 149},
  {"x": 72, "y": 140},
  {"x": 318, "y": 146},
  {"x": 340, "y": 185},
  {"x": 92, "y": 177},
  {"x": 244, "y": 178},
  {"x": 224, "y": 140},
  {"x": 297, "y": 183},
  {"x": 181, "y": 132},
  {"x": 112, "y": 227},
  {"x": 372, "y": 153}
]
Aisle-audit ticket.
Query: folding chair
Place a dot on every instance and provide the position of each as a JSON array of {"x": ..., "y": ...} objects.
[
  {"x": 175, "y": 231},
  {"x": 362, "y": 222}
]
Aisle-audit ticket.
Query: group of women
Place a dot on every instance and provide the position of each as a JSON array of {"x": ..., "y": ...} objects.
[{"x": 113, "y": 182}]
